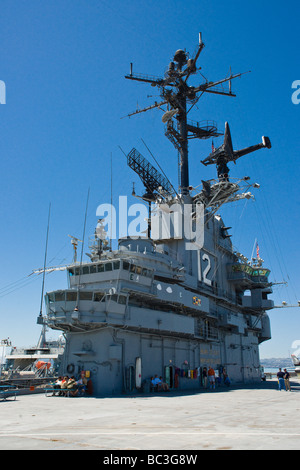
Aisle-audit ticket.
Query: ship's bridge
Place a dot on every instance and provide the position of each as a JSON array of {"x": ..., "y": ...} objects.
[{"x": 245, "y": 276}]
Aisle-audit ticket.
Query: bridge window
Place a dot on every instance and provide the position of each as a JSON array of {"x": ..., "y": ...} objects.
[
  {"x": 59, "y": 297},
  {"x": 108, "y": 266},
  {"x": 125, "y": 265},
  {"x": 71, "y": 296},
  {"x": 85, "y": 295},
  {"x": 51, "y": 297},
  {"x": 122, "y": 299},
  {"x": 98, "y": 296}
]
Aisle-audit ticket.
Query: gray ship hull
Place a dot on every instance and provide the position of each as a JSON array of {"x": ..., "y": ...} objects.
[{"x": 112, "y": 359}]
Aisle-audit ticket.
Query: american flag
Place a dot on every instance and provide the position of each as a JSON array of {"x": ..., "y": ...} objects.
[
  {"x": 257, "y": 250},
  {"x": 212, "y": 146}
]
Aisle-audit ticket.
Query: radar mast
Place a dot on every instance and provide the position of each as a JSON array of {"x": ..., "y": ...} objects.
[{"x": 179, "y": 98}]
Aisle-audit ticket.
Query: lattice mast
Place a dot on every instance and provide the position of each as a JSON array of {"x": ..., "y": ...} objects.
[{"x": 179, "y": 97}]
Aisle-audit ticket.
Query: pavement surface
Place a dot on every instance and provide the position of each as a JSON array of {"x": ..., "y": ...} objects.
[{"x": 253, "y": 418}]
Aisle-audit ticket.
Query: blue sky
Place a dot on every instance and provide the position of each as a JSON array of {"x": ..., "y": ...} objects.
[{"x": 63, "y": 64}]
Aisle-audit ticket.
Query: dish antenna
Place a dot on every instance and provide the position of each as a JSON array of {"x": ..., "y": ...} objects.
[{"x": 169, "y": 114}]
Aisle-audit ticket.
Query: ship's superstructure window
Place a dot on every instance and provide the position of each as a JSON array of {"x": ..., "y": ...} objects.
[
  {"x": 59, "y": 297},
  {"x": 120, "y": 299},
  {"x": 85, "y": 295},
  {"x": 109, "y": 266},
  {"x": 98, "y": 296},
  {"x": 126, "y": 265},
  {"x": 51, "y": 297},
  {"x": 139, "y": 270},
  {"x": 71, "y": 296}
]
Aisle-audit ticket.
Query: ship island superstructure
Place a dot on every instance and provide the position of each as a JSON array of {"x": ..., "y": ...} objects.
[{"x": 179, "y": 298}]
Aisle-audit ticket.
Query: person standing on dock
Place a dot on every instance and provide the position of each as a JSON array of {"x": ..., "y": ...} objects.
[
  {"x": 211, "y": 378},
  {"x": 204, "y": 377},
  {"x": 280, "y": 377},
  {"x": 287, "y": 380}
]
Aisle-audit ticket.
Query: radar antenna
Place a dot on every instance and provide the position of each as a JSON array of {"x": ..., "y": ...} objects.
[
  {"x": 150, "y": 177},
  {"x": 74, "y": 242},
  {"x": 178, "y": 96},
  {"x": 154, "y": 182}
]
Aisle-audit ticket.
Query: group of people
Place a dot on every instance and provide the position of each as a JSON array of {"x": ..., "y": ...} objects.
[
  {"x": 209, "y": 378},
  {"x": 66, "y": 385},
  {"x": 283, "y": 380},
  {"x": 158, "y": 384}
]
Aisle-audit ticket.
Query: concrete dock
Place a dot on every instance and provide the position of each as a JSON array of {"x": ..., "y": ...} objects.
[{"x": 254, "y": 417}]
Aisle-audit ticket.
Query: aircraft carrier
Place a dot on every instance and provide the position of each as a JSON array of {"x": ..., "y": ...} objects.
[{"x": 178, "y": 298}]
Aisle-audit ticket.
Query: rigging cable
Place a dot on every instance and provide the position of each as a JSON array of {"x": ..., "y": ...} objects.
[{"x": 45, "y": 260}]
